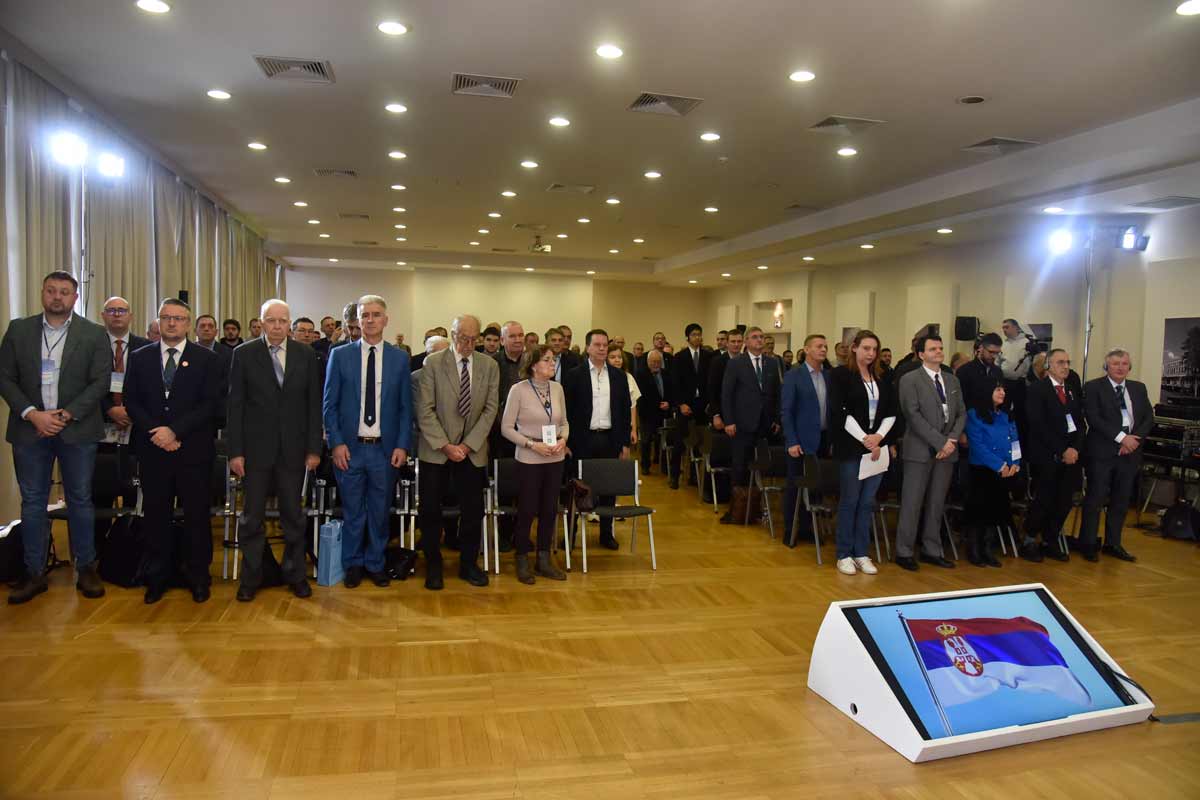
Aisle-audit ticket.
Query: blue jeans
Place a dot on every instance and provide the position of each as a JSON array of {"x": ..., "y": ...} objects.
[
  {"x": 367, "y": 488},
  {"x": 854, "y": 510},
  {"x": 33, "y": 464}
]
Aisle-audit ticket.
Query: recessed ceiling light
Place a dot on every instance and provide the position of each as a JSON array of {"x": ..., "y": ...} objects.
[
  {"x": 529, "y": 269},
  {"x": 710, "y": 136},
  {"x": 808, "y": 258},
  {"x": 333, "y": 261},
  {"x": 508, "y": 193},
  {"x": 529, "y": 164},
  {"x": 846, "y": 152},
  {"x": 801, "y": 76},
  {"x": 300, "y": 204},
  {"x": 583, "y": 220},
  {"x": 726, "y": 274},
  {"x": 314, "y": 222},
  {"x": 397, "y": 154},
  {"x": 613, "y": 201},
  {"x": 1052, "y": 210},
  {"x": 398, "y": 187},
  {"x": 867, "y": 246},
  {"x": 392, "y": 28},
  {"x": 494, "y": 214},
  {"x": 945, "y": 231},
  {"x": 639, "y": 241},
  {"x": 282, "y": 179},
  {"x": 401, "y": 239},
  {"x": 401, "y": 263},
  {"x": 159, "y": 7},
  {"x": 693, "y": 281},
  {"x": 762, "y": 266},
  {"x": 711, "y": 209},
  {"x": 219, "y": 94},
  {"x": 466, "y": 266},
  {"x": 399, "y": 209},
  {"x": 559, "y": 122},
  {"x": 473, "y": 244},
  {"x": 652, "y": 174},
  {"x": 609, "y": 51},
  {"x": 256, "y": 146},
  {"x": 1190, "y": 8},
  {"x": 591, "y": 272},
  {"x": 400, "y": 226},
  {"x": 396, "y": 108},
  {"x": 324, "y": 235},
  {"x": 614, "y": 251},
  {"x": 484, "y": 231},
  {"x": 561, "y": 235}
]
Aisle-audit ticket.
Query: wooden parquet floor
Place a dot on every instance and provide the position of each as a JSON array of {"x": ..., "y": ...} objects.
[{"x": 684, "y": 683}]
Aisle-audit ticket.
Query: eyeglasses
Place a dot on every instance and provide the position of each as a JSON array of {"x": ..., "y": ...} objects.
[
  {"x": 116, "y": 312},
  {"x": 171, "y": 318},
  {"x": 462, "y": 337}
]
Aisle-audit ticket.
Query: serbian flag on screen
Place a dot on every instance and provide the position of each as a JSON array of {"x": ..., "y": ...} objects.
[{"x": 967, "y": 659}]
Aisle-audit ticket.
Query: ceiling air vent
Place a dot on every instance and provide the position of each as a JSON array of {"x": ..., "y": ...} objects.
[
  {"x": 365, "y": 243},
  {"x": 577, "y": 188},
  {"x": 710, "y": 238},
  {"x": 845, "y": 126},
  {"x": 999, "y": 146},
  {"x": 304, "y": 70},
  {"x": 326, "y": 172},
  {"x": 1167, "y": 203},
  {"x": 668, "y": 104},
  {"x": 504, "y": 249},
  {"x": 354, "y": 217},
  {"x": 483, "y": 85},
  {"x": 536, "y": 227}
]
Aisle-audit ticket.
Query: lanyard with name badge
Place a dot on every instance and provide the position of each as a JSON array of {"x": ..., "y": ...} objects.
[
  {"x": 549, "y": 432},
  {"x": 48, "y": 367}
]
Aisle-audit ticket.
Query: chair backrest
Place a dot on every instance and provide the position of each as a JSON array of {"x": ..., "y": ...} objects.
[
  {"x": 609, "y": 476},
  {"x": 107, "y": 479},
  {"x": 696, "y": 435},
  {"x": 770, "y": 460},
  {"x": 720, "y": 453},
  {"x": 507, "y": 484},
  {"x": 829, "y": 480}
]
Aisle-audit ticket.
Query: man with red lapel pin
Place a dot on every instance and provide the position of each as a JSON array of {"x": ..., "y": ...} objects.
[{"x": 173, "y": 394}]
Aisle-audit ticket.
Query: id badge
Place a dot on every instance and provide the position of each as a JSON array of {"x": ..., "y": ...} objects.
[
  {"x": 550, "y": 435},
  {"x": 117, "y": 382},
  {"x": 1016, "y": 451},
  {"x": 1071, "y": 424},
  {"x": 945, "y": 412},
  {"x": 48, "y": 370}
]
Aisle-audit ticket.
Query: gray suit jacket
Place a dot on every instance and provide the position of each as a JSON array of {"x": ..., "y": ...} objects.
[
  {"x": 84, "y": 376},
  {"x": 927, "y": 429},
  {"x": 437, "y": 409}
]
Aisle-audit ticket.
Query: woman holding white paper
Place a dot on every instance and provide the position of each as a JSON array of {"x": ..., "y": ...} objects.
[{"x": 862, "y": 413}]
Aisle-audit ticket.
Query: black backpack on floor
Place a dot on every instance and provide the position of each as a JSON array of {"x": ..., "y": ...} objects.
[
  {"x": 1181, "y": 521},
  {"x": 123, "y": 553},
  {"x": 12, "y": 555}
]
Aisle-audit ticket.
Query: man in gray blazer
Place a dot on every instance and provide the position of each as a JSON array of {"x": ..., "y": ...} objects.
[
  {"x": 55, "y": 367},
  {"x": 458, "y": 403},
  {"x": 932, "y": 403}
]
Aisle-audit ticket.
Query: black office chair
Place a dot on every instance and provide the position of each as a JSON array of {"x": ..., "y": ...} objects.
[
  {"x": 615, "y": 477},
  {"x": 717, "y": 451}
]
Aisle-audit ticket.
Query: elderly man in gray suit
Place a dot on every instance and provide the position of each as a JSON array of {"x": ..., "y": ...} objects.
[
  {"x": 456, "y": 409},
  {"x": 932, "y": 403}
]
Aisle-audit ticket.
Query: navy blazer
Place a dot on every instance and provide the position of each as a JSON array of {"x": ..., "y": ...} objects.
[
  {"x": 577, "y": 386},
  {"x": 343, "y": 392},
  {"x": 1104, "y": 416},
  {"x": 801, "y": 409},
  {"x": 743, "y": 402},
  {"x": 192, "y": 410},
  {"x": 1046, "y": 438}
]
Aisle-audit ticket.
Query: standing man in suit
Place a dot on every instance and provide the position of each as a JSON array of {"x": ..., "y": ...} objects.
[
  {"x": 233, "y": 334},
  {"x": 932, "y": 403},
  {"x": 172, "y": 391},
  {"x": 1052, "y": 448},
  {"x": 689, "y": 375},
  {"x": 329, "y": 330},
  {"x": 274, "y": 439},
  {"x": 806, "y": 418},
  {"x": 206, "y": 337},
  {"x": 598, "y": 408},
  {"x": 367, "y": 409},
  {"x": 459, "y": 400},
  {"x": 734, "y": 343},
  {"x": 117, "y": 317},
  {"x": 1119, "y": 417},
  {"x": 750, "y": 404},
  {"x": 654, "y": 406},
  {"x": 54, "y": 371},
  {"x": 564, "y": 359}
]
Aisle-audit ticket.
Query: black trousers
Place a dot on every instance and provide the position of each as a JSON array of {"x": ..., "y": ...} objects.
[
  {"x": 600, "y": 446},
  {"x": 743, "y": 450},
  {"x": 288, "y": 479},
  {"x": 989, "y": 499},
  {"x": 538, "y": 497},
  {"x": 468, "y": 481},
  {"x": 1110, "y": 482},
  {"x": 162, "y": 483},
  {"x": 650, "y": 446},
  {"x": 1054, "y": 486}
]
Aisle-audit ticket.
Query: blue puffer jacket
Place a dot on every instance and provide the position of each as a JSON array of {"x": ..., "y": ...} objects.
[{"x": 991, "y": 444}]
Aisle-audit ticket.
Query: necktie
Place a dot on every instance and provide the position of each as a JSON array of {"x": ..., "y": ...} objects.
[
  {"x": 937, "y": 381},
  {"x": 696, "y": 361},
  {"x": 658, "y": 383},
  {"x": 758, "y": 370},
  {"x": 1120, "y": 389},
  {"x": 464, "y": 391},
  {"x": 1062, "y": 394},
  {"x": 118, "y": 366},
  {"x": 369, "y": 390},
  {"x": 169, "y": 369},
  {"x": 279, "y": 367}
]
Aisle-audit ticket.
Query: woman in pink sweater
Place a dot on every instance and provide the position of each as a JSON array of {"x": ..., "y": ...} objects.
[{"x": 535, "y": 420}]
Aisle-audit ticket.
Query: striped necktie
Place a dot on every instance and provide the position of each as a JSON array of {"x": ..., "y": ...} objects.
[{"x": 464, "y": 390}]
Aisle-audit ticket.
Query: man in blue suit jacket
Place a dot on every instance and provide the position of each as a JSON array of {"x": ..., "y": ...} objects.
[
  {"x": 805, "y": 424},
  {"x": 368, "y": 420}
]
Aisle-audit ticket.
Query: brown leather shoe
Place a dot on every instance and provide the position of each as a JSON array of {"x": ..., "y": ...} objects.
[
  {"x": 524, "y": 574},
  {"x": 88, "y": 583},
  {"x": 547, "y": 568},
  {"x": 27, "y": 589}
]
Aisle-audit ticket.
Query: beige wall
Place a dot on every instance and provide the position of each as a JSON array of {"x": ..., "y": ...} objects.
[
  {"x": 637, "y": 310},
  {"x": 317, "y": 292}
]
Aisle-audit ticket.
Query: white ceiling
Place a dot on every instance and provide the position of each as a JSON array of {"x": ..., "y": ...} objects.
[{"x": 1051, "y": 69}]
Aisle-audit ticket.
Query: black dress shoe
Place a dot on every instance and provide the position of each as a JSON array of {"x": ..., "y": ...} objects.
[
  {"x": 1090, "y": 554},
  {"x": 609, "y": 541},
  {"x": 472, "y": 574},
  {"x": 907, "y": 562},
  {"x": 673, "y": 483},
  {"x": 1117, "y": 551},
  {"x": 153, "y": 595},
  {"x": 301, "y": 589},
  {"x": 937, "y": 561},
  {"x": 380, "y": 579},
  {"x": 433, "y": 581},
  {"x": 1053, "y": 551},
  {"x": 353, "y": 577},
  {"x": 245, "y": 594},
  {"x": 200, "y": 594},
  {"x": 1032, "y": 552},
  {"x": 27, "y": 589},
  {"x": 506, "y": 544},
  {"x": 990, "y": 559}
]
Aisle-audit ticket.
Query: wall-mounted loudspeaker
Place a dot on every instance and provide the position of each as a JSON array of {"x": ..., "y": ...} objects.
[{"x": 966, "y": 329}]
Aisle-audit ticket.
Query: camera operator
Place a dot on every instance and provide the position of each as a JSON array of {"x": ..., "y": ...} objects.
[{"x": 1016, "y": 360}]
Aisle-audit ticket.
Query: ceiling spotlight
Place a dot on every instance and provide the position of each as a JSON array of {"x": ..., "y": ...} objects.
[
  {"x": 300, "y": 204},
  {"x": 1189, "y": 8},
  {"x": 484, "y": 231},
  {"x": 401, "y": 239},
  {"x": 323, "y": 235},
  {"x": 398, "y": 187},
  {"x": 652, "y": 174},
  {"x": 808, "y": 258},
  {"x": 762, "y": 267},
  {"x": 159, "y": 7},
  {"x": 614, "y": 251},
  {"x": 561, "y": 235},
  {"x": 559, "y": 122},
  {"x": 613, "y": 201},
  {"x": 282, "y": 179},
  {"x": 473, "y": 244},
  {"x": 397, "y": 154},
  {"x": 591, "y": 272},
  {"x": 529, "y": 164},
  {"x": 257, "y": 146},
  {"x": 693, "y": 281},
  {"x": 867, "y": 246},
  {"x": 583, "y": 220},
  {"x": 399, "y": 209},
  {"x": 333, "y": 261},
  {"x": 1060, "y": 241},
  {"x": 726, "y": 274},
  {"x": 846, "y": 152},
  {"x": 612, "y": 51},
  {"x": 945, "y": 231},
  {"x": 466, "y": 266},
  {"x": 801, "y": 76},
  {"x": 218, "y": 94},
  {"x": 68, "y": 149},
  {"x": 639, "y": 241},
  {"x": 110, "y": 166},
  {"x": 529, "y": 269},
  {"x": 494, "y": 214},
  {"x": 1052, "y": 210},
  {"x": 401, "y": 263},
  {"x": 314, "y": 222},
  {"x": 396, "y": 108},
  {"x": 711, "y": 209},
  {"x": 508, "y": 193},
  {"x": 710, "y": 136},
  {"x": 392, "y": 28},
  {"x": 400, "y": 226}
]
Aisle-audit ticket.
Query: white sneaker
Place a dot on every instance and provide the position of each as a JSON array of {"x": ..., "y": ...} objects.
[
  {"x": 846, "y": 566},
  {"x": 864, "y": 563}
]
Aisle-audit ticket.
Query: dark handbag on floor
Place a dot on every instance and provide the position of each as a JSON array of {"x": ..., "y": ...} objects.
[
  {"x": 123, "y": 553},
  {"x": 12, "y": 555},
  {"x": 580, "y": 496},
  {"x": 399, "y": 562}
]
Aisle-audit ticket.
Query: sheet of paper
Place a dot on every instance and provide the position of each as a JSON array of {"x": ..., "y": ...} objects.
[{"x": 868, "y": 467}]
